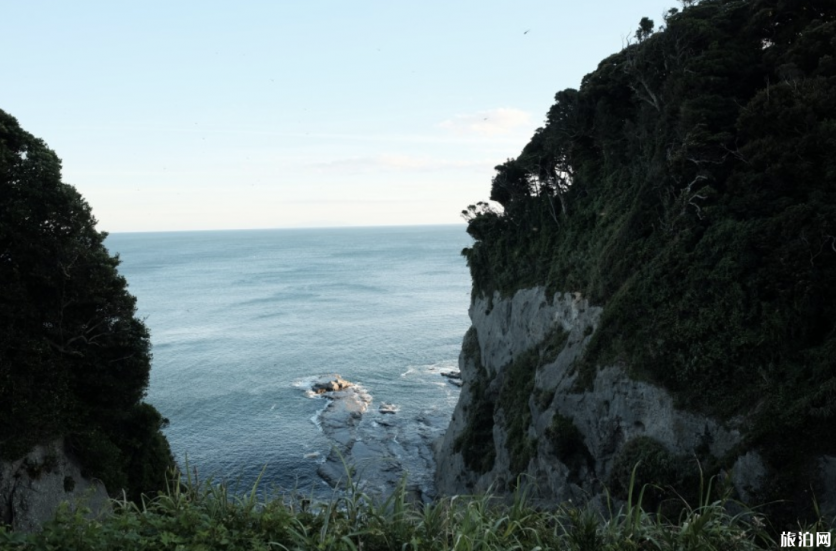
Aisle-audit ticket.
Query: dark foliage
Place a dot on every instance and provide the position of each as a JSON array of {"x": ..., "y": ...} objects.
[
  {"x": 74, "y": 359},
  {"x": 568, "y": 445},
  {"x": 689, "y": 186},
  {"x": 476, "y": 443}
]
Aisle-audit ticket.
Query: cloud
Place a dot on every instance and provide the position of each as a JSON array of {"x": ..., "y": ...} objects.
[
  {"x": 400, "y": 163},
  {"x": 493, "y": 122}
]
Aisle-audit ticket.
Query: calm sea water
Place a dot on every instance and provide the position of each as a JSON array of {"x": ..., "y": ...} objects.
[{"x": 241, "y": 320}]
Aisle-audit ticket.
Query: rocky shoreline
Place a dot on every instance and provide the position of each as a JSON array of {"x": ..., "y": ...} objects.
[{"x": 373, "y": 443}]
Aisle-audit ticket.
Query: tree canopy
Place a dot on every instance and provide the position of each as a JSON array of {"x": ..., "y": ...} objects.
[
  {"x": 74, "y": 358},
  {"x": 698, "y": 192}
]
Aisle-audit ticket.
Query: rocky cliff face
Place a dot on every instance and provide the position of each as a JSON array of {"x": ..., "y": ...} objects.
[
  {"x": 527, "y": 410},
  {"x": 33, "y": 487}
]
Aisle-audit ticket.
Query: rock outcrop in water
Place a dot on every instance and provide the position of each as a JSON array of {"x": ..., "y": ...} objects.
[
  {"x": 376, "y": 447},
  {"x": 331, "y": 384}
]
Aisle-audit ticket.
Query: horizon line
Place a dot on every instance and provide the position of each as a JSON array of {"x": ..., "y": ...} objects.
[{"x": 291, "y": 228}]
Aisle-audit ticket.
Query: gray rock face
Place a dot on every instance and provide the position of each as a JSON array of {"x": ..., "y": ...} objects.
[
  {"x": 748, "y": 474},
  {"x": 33, "y": 487},
  {"x": 451, "y": 474},
  {"x": 376, "y": 447},
  {"x": 505, "y": 329},
  {"x": 608, "y": 413}
]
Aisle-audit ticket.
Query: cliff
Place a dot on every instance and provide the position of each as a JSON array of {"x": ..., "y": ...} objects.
[
  {"x": 572, "y": 441},
  {"x": 652, "y": 283},
  {"x": 34, "y": 486}
]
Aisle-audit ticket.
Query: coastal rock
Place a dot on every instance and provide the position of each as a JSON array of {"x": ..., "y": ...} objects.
[
  {"x": 332, "y": 383},
  {"x": 575, "y": 430},
  {"x": 33, "y": 487},
  {"x": 502, "y": 330},
  {"x": 373, "y": 448},
  {"x": 454, "y": 378}
]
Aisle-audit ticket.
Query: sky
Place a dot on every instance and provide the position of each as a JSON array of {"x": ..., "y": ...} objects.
[{"x": 186, "y": 115}]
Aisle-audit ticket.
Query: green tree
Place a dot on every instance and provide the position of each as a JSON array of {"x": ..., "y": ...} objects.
[
  {"x": 74, "y": 359},
  {"x": 645, "y": 29},
  {"x": 696, "y": 173}
]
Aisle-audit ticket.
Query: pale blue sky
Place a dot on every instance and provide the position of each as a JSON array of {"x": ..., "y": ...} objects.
[{"x": 219, "y": 115}]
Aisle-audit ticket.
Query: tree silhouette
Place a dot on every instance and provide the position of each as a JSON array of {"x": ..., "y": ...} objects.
[{"x": 74, "y": 358}]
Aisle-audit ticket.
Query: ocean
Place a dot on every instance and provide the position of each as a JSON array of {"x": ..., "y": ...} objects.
[{"x": 242, "y": 321}]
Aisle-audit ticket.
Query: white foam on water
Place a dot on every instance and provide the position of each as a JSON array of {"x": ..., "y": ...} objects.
[
  {"x": 362, "y": 393},
  {"x": 387, "y": 407},
  {"x": 432, "y": 368},
  {"x": 443, "y": 365},
  {"x": 316, "y": 417},
  {"x": 305, "y": 383}
]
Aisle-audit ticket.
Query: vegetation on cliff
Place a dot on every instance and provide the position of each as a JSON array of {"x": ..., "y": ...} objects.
[
  {"x": 74, "y": 359},
  {"x": 689, "y": 187}
]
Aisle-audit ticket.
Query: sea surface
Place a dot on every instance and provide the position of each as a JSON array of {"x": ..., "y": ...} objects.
[{"x": 242, "y": 321}]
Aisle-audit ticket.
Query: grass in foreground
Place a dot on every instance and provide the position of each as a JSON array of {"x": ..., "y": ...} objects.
[{"x": 204, "y": 516}]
